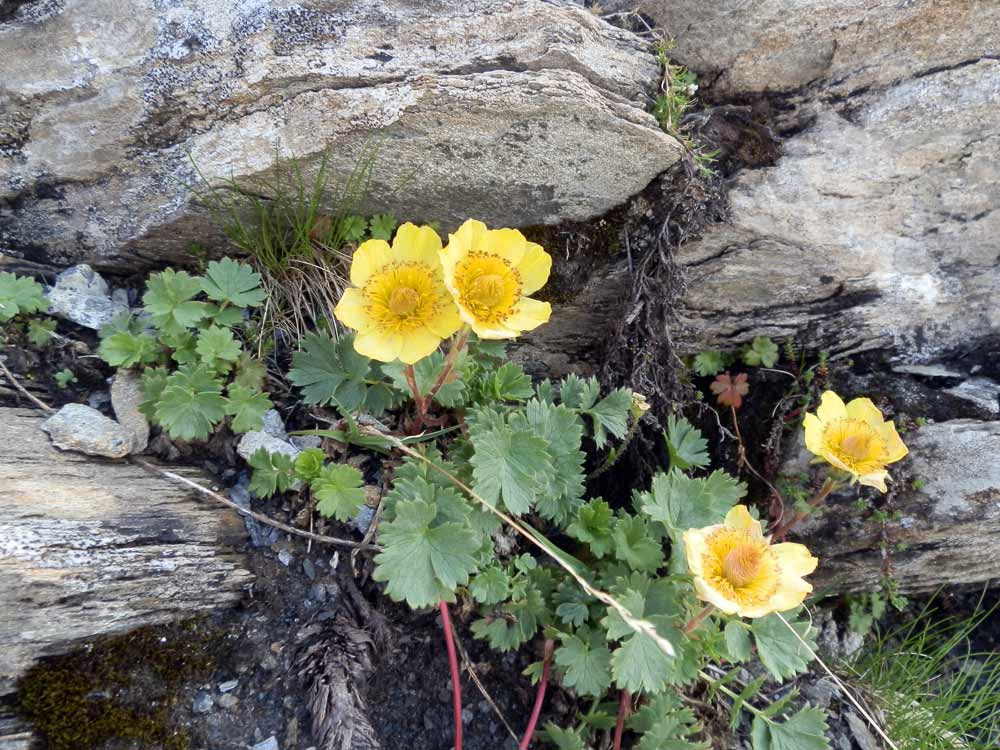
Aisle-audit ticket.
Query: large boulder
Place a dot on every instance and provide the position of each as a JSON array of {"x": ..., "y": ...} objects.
[{"x": 514, "y": 112}]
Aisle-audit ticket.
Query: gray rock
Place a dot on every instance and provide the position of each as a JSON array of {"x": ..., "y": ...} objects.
[
  {"x": 363, "y": 521},
  {"x": 862, "y": 734},
  {"x": 202, "y": 702},
  {"x": 228, "y": 686},
  {"x": 317, "y": 593},
  {"x": 309, "y": 568},
  {"x": 932, "y": 371},
  {"x": 228, "y": 701},
  {"x": 126, "y": 397},
  {"x": 80, "y": 294},
  {"x": 271, "y": 743},
  {"x": 304, "y": 442},
  {"x": 983, "y": 392},
  {"x": 240, "y": 495},
  {"x": 253, "y": 441},
  {"x": 284, "y": 557},
  {"x": 518, "y": 113},
  {"x": 274, "y": 425},
  {"x": 821, "y": 692},
  {"x": 79, "y": 428}
]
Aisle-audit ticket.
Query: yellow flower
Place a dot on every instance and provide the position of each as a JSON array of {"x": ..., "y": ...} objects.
[
  {"x": 736, "y": 568},
  {"x": 399, "y": 304},
  {"x": 490, "y": 272},
  {"x": 854, "y": 438}
]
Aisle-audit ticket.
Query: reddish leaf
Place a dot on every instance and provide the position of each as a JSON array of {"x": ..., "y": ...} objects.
[{"x": 729, "y": 391}]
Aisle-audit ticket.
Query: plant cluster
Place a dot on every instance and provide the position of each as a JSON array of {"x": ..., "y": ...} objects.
[
  {"x": 188, "y": 343},
  {"x": 21, "y": 298},
  {"x": 678, "y": 86}
]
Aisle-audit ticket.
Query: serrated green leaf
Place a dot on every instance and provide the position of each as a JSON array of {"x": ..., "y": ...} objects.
[
  {"x": 572, "y": 604},
  {"x": 217, "y": 348},
  {"x": 638, "y": 665},
  {"x": 309, "y": 463},
  {"x": 806, "y": 730},
  {"x": 247, "y": 408},
  {"x": 420, "y": 563},
  {"x": 126, "y": 349},
  {"x": 738, "y": 641},
  {"x": 40, "y": 331},
  {"x": 561, "y": 491},
  {"x": 610, "y": 415},
  {"x": 181, "y": 345},
  {"x": 452, "y": 392},
  {"x": 585, "y": 660},
  {"x": 20, "y": 295},
  {"x": 250, "y": 372},
  {"x": 579, "y": 393},
  {"x": 382, "y": 226},
  {"x": 338, "y": 488},
  {"x": 224, "y": 316},
  {"x": 636, "y": 545},
  {"x": 508, "y": 465},
  {"x": 352, "y": 228},
  {"x": 681, "y": 502},
  {"x": 154, "y": 380},
  {"x": 64, "y": 377},
  {"x": 516, "y": 622},
  {"x": 272, "y": 472},
  {"x": 511, "y": 383},
  {"x": 687, "y": 448},
  {"x": 330, "y": 372},
  {"x": 709, "y": 363},
  {"x": 232, "y": 282},
  {"x": 781, "y": 653},
  {"x": 593, "y": 526},
  {"x": 564, "y": 739},
  {"x": 762, "y": 351},
  {"x": 490, "y": 586},
  {"x": 665, "y": 724},
  {"x": 168, "y": 299},
  {"x": 191, "y": 404}
]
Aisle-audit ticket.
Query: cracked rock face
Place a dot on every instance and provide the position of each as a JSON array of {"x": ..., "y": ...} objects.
[{"x": 513, "y": 112}]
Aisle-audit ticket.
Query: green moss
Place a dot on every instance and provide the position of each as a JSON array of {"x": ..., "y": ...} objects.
[{"x": 123, "y": 689}]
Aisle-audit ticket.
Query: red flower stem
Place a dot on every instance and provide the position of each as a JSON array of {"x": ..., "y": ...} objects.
[
  {"x": 539, "y": 696},
  {"x": 815, "y": 501},
  {"x": 698, "y": 619},
  {"x": 449, "y": 364},
  {"x": 411, "y": 380},
  {"x": 624, "y": 709},
  {"x": 456, "y": 688}
]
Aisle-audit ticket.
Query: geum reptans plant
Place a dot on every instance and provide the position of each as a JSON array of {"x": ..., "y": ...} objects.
[{"x": 644, "y": 597}]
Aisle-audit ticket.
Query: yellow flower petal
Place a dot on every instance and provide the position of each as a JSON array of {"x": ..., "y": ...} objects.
[
  {"x": 418, "y": 345},
  {"x": 875, "y": 479},
  {"x": 695, "y": 548},
  {"x": 814, "y": 434},
  {"x": 471, "y": 236},
  {"x": 351, "y": 311},
  {"x": 794, "y": 559},
  {"x": 866, "y": 411},
  {"x": 831, "y": 408},
  {"x": 739, "y": 518},
  {"x": 368, "y": 259},
  {"x": 508, "y": 243},
  {"x": 446, "y": 322},
  {"x": 894, "y": 448},
  {"x": 534, "y": 268},
  {"x": 417, "y": 244},
  {"x": 789, "y": 596},
  {"x": 708, "y": 594},
  {"x": 485, "y": 331},
  {"x": 380, "y": 346},
  {"x": 528, "y": 314}
]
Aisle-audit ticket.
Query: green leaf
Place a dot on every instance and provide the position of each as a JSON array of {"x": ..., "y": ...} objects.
[
  {"x": 382, "y": 226},
  {"x": 681, "y": 502},
  {"x": 352, "y": 228},
  {"x": 762, "y": 351},
  {"x": 490, "y": 586},
  {"x": 638, "y": 665},
  {"x": 593, "y": 526},
  {"x": 687, "y": 447},
  {"x": 217, "y": 348},
  {"x": 339, "y": 489},
  {"x": 40, "y": 331},
  {"x": 637, "y": 545},
  {"x": 422, "y": 564},
  {"x": 665, "y": 724},
  {"x": 168, "y": 299},
  {"x": 224, "y": 316},
  {"x": 191, "y": 404},
  {"x": 562, "y": 489},
  {"x": 610, "y": 415},
  {"x": 426, "y": 372},
  {"x": 508, "y": 465},
  {"x": 516, "y": 623},
  {"x": 126, "y": 349},
  {"x": 250, "y": 372},
  {"x": 247, "y": 408},
  {"x": 511, "y": 383},
  {"x": 20, "y": 295},
  {"x": 233, "y": 283},
  {"x": 272, "y": 472},
  {"x": 709, "y": 363},
  {"x": 738, "y": 641},
  {"x": 64, "y": 377},
  {"x": 330, "y": 371},
  {"x": 154, "y": 380},
  {"x": 579, "y": 393},
  {"x": 309, "y": 463},
  {"x": 564, "y": 739},
  {"x": 181, "y": 346},
  {"x": 779, "y": 650},
  {"x": 585, "y": 660},
  {"x": 804, "y": 731}
]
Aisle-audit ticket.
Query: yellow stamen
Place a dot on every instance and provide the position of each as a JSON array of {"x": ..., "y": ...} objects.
[
  {"x": 489, "y": 289},
  {"x": 741, "y": 565},
  {"x": 403, "y": 301}
]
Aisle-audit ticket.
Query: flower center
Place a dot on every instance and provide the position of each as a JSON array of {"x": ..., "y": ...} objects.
[
  {"x": 741, "y": 565},
  {"x": 855, "y": 446},
  {"x": 489, "y": 289},
  {"x": 403, "y": 301}
]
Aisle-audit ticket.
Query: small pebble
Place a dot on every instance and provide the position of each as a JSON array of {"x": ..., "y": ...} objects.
[
  {"x": 284, "y": 557},
  {"x": 318, "y": 592},
  {"x": 229, "y": 701},
  {"x": 467, "y": 716},
  {"x": 271, "y": 743},
  {"x": 228, "y": 685},
  {"x": 202, "y": 702},
  {"x": 309, "y": 569}
]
